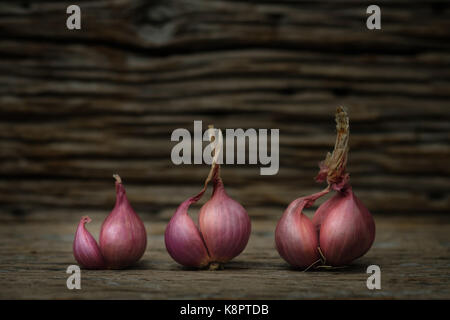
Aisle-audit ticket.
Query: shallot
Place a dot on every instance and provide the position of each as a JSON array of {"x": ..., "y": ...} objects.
[
  {"x": 123, "y": 238},
  {"x": 342, "y": 228},
  {"x": 223, "y": 230}
]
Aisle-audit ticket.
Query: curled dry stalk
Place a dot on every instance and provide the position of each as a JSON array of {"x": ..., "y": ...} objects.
[
  {"x": 312, "y": 265},
  {"x": 324, "y": 260},
  {"x": 117, "y": 177},
  {"x": 215, "y": 167},
  {"x": 333, "y": 168},
  {"x": 323, "y": 265}
]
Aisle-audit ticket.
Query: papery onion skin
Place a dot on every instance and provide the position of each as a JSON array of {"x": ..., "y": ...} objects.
[
  {"x": 322, "y": 212},
  {"x": 347, "y": 230},
  {"x": 224, "y": 225},
  {"x": 296, "y": 239},
  {"x": 183, "y": 239},
  {"x": 123, "y": 238},
  {"x": 85, "y": 249}
]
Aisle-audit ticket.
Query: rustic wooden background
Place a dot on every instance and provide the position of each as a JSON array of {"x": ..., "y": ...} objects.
[{"x": 78, "y": 106}]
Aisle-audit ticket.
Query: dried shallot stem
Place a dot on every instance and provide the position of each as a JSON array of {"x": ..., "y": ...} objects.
[
  {"x": 215, "y": 167},
  {"x": 333, "y": 168},
  {"x": 312, "y": 265},
  {"x": 117, "y": 177},
  {"x": 214, "y": 172},
  {"x": 324, "y": 260}
]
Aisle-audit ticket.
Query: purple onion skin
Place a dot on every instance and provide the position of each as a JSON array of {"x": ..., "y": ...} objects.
[
  {"x": 85, "y": 248},
  {"x": 322, "y": 212},
  {"x": 223, "y": 233},
  {"x": 183, "y": 240},
  {"x": 347, "y": 230},
  {"x": 224, "y": 224},
  {"x": 296, "y": 238},
  {"x": 123, "y": 238}
]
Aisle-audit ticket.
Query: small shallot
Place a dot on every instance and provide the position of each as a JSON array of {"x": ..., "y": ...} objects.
[
  {"x": 123, "y": 238},
  {"x": 85, "y": 248}
]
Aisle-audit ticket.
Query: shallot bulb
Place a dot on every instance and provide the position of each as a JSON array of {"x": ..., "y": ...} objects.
[
  {"x": 86, "y": 249},
  {"x": 224, "y": 224},
  {"x": 223, "y": 232},
  {"x": 347, "y": 229},
  {"x": 343, "y": 228},
  {"x": 123, "y": 238},
  {"x": 221, "y": 235},
  {"x": 183, "y": 240},
  {"x": 295, "y": 237}
]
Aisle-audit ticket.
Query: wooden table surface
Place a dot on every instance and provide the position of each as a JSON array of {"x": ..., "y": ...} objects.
[{"x": 412, "y": 252}]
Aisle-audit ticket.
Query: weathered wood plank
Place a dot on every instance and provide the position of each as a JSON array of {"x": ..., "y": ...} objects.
[
  {"x": 77, "y": 106},
  {"x": 412, "y": 252}
]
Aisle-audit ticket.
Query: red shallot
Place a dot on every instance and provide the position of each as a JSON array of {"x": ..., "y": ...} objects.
[
  {"x": 223, "y": 230},
  {"x": 342, "y": 228},
  {"x": 123, "y": 238}
]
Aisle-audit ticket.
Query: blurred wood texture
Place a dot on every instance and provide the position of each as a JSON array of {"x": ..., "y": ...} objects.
[
  {"x": 78, "y": 106},
  {"x": 412, "y": 252}
]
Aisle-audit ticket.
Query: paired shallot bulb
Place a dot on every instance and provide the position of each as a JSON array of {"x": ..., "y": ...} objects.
[
  {"x": 123, "y": 238},
  {"x": 342, "y": 228},
  {"x": 222, "y": 232},
  {"x": 346, "y": 228}
]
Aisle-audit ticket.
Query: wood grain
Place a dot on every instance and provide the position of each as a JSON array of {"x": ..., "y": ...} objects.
[
  {"x": 78, "y": 106},
  {"x": 412, "y": 252}
]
